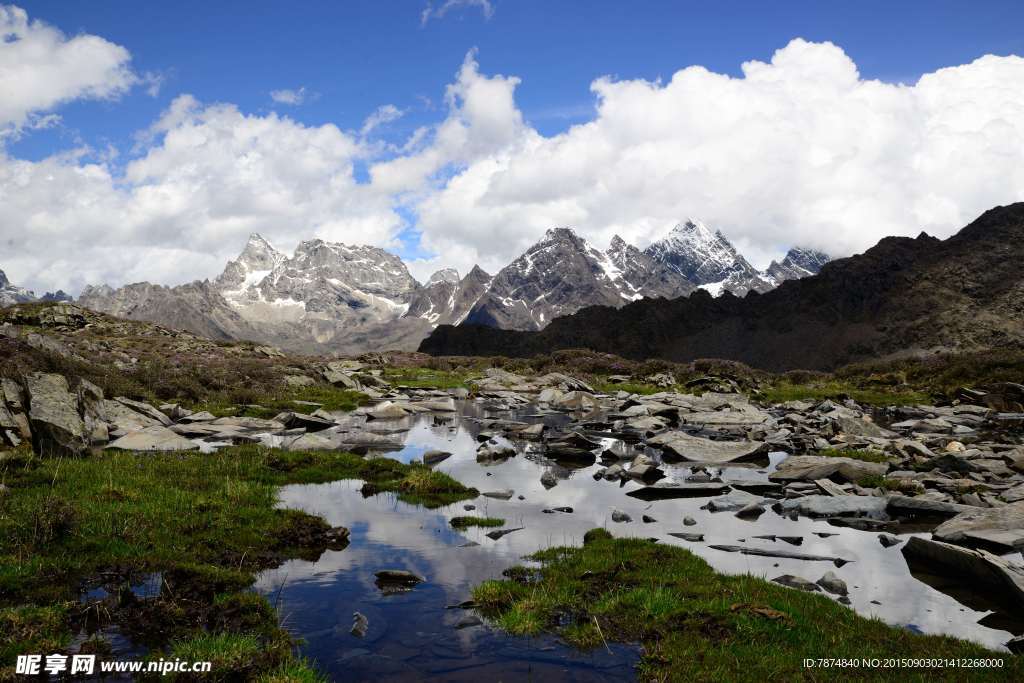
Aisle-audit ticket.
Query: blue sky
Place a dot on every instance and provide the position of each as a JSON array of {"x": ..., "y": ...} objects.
[
  {"x": 353, "y": 56},
  {"x": 612, "y": 117}
]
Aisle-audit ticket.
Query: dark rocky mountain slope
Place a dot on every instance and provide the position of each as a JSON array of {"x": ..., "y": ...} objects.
[{"x": 903, "y": 296}]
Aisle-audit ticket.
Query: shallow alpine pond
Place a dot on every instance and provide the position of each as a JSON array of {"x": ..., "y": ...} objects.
[{"x": 422, "y": 633}]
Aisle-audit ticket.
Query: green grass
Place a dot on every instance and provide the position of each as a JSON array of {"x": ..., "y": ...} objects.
[
  {"x": 696, "y": 624},
  {"x": 328, "y": 397},
  {"x": 466, "y": 522},
  {"x": 429, "y": 378},
  {"x": 208, "y": 521},
  {"x": 854, "y": 453},
  {"x": 781, "y": 391},
  {"x": 641, "y": 388}
]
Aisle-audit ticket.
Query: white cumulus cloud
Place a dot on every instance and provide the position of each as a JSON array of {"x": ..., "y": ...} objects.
[
  {"x": 291, "y": 97},
  {"x": 798, "y": 150},
  {"x": 41, "y": 68},
  {"x": 432, "y": 11}
]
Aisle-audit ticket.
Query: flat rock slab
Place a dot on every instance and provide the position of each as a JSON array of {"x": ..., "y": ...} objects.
[
  {"x": 724, "y": 418},
  {"x": 145, "y": 409},
  {"x": 922, "y": 506},
  {"x": 696, "y": 449},
  {"x": 785, "y": 554},
  {"x": 669, "y": 491},
  {"x": 687, "y": 536},
  {"x": 814, "y": 467},
  {"x": 151, "y": 439},
  {"x": 737, "y": 500},
  {"x": 1001, "y": 528},
  {"x": 835, "y": 506},
  {"x": 977, "y": 568}
]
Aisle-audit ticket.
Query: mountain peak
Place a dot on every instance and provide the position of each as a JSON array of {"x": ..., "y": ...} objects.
[
  {"x": 3, "y": 279},
  {"x": 449, "y": 275}
]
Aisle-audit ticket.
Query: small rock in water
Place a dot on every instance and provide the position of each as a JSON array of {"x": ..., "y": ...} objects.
[
  {"x": 833, "y": 584},
  {"x": 470, "y": 544},
  {"x": 797, "y": 582},
  {"x": 689, "y": 521},
  {"x": 360, "y": 624},
  {"x": 751, "y": 511},
  {"x": 498, "y": 533},
  {"x": 824, "y": 534},
  {"x": 548, "y": 480},
  {"x": 648, "y": 519},
  {"x": 888, "y": 541},
  {"x": 391, "y": 581},
  {"x": 692, "y": 538},
  {"x": 469, "y": 507},
  {"x": 468, "y": 621},
  {"x": 505, "y": 494},
  {"x": 434, "y": 457},
  {"x": 620, "y": 516}
]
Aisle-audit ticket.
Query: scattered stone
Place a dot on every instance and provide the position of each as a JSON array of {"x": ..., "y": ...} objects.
[
  {"x": 833, "y": 584},
  {"x": 791, "y": 581},
  {"x": 504, "y": 494},
  {"x": 686, "y": 536},
  {"x": 647, "y": 519},
  {"x": 689, "y": 521},
  {"x": 888, "y": 541},
  {"x": 620, "y": 516},
  {"x": 750, "y": 511}
]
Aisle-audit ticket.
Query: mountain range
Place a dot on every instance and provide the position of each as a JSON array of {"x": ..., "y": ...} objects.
[
  {"x": 904, "y": 296},
  {"x": 335, "y": 298},
  {"x": 11, "y": 294}
]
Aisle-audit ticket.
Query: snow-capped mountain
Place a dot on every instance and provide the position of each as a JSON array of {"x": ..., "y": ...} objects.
[
  {"x": 334, "y": 297},
  {"x": 707, "y": 259},
  {"x": 798, "y": 263},
  {"x": 562, "y": 273},
  {"x": 446, "y": 299},
  {"x": 10, "y": 294}
]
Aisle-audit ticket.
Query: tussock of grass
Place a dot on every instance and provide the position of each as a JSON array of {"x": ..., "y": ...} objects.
[
  {"x": 781, "y": 391},
  {"x": 430, "y": 378},
  {"x": 328, "y": 397},
  {"x": 694, "y": 623},
  {"x": 466, "y": 522},
  {"x": 641, "y": 388},
  {"x": 32, "y": 629},
  {"x": 854, "y": 453}
]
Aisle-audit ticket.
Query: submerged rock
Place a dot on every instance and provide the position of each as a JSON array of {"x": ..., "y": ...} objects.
[{"x": 669, "y": 491}]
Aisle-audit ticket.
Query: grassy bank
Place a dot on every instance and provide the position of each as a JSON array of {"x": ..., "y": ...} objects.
[
  {"x": 206, "y": 522},
  {"x": 696, "y": 624}
]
